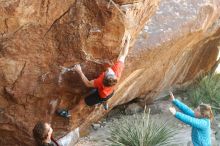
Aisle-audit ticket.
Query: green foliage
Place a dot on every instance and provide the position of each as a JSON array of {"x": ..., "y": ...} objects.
[
  {"x": 207, "y": 90},
  {"x": 140, "y": 130}
]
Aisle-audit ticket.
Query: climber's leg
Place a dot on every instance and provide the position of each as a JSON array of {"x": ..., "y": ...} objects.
[
  {"x": 67, "y": 113},
  {"x": 79, "y": 106},
  {"x": 93, "y": 98},
  {"x": 63, "y": 113},
  {"x": 104, "y": 101}
]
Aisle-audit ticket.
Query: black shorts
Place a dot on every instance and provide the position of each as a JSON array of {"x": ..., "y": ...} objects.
[{"x": 94, "y": 98}]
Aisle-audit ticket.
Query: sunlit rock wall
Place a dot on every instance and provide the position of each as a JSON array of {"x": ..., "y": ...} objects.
[
  {"x": 173, "y": 42},
  {"x": 38, "y": 39}
]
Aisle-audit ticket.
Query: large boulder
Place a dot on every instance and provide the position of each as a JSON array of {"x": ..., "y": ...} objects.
[{"x": 40, "y": 38}]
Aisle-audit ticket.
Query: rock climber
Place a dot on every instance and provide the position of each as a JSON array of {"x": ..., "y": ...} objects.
[{"x": 105, "y": 83}]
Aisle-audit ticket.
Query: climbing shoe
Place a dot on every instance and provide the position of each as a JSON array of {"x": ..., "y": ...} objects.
[
  {"x": 105, "y": 105},
  {"x": 63, "y": 113}
]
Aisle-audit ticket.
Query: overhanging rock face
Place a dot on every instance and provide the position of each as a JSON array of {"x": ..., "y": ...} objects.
[{"x": 40, "y": 38}]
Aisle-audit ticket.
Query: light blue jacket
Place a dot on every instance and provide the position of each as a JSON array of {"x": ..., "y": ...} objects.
[{"x": 201, "y": 128}]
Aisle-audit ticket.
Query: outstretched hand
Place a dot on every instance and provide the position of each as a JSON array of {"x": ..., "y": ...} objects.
[
  {"x": 128, "y": 36},
  {"x": 172, "y": 110},
  {"x": 171, "y": 96},
  {"x": 77, "y": 68}
]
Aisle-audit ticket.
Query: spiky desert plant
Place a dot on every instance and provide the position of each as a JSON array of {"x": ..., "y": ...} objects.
[
  {"x": 207, "y": 90},
  {"x": 140, "y": 130}
]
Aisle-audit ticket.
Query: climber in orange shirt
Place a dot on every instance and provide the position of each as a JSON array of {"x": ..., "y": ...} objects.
[{"x": 104, "y": 84}]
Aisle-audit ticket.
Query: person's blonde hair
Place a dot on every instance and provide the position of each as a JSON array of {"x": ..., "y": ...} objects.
[{"x": 206, "y": 111}]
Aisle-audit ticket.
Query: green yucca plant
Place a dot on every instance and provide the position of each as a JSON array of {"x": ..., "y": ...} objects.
[
  {"x": 207, "y": 90},
  {"x": 140, "y": 130}
]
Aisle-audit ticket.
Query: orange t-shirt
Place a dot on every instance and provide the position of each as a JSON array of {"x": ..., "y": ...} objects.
[{"x": 98, "y": 82}]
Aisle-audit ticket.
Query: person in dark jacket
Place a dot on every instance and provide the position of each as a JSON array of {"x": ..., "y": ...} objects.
[
  {"x": 42, "y": 133},
  {"x": 199, "y": 119}
]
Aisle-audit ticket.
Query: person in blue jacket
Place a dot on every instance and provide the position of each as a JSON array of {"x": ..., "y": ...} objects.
[{"x": 199, "y": 119}]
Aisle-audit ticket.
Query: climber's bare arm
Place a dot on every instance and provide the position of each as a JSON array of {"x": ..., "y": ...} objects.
[
  {"x": 88, "y": 83},
  {"x": 124, "y": 52}
]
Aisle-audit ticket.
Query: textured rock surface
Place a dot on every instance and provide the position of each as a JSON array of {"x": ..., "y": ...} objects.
[{"x": 38, "y": 37}]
